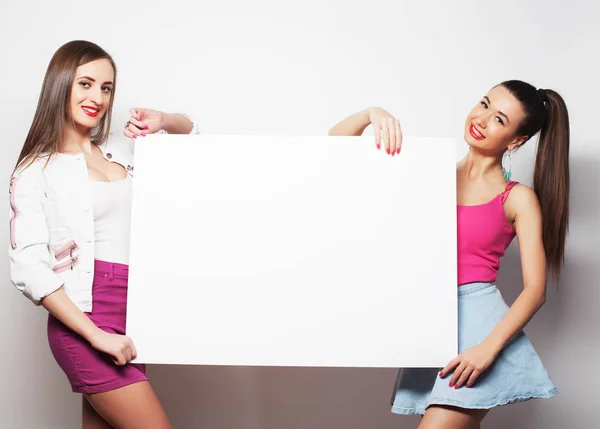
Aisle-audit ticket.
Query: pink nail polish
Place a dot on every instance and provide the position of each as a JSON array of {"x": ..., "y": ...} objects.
[
  {"x": 441, "y": 374},
  {"x": 145, "y": 127},
  {"x": 137, "y": 119},
  {"x": 398, "y": 150},
  {"x": 387, "y": 149},
  {"x": 135, "y": 136},
  {"x": 378, "y": 147},
  {"x": 450, "y": 384},
  {"x": 456, "y": 387},
  {"x": 143, "y": 134},
  {"x": 393, "y": 153}
]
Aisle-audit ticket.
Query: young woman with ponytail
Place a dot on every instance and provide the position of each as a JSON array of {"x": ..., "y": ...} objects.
[{"x": 497, "y": 364}]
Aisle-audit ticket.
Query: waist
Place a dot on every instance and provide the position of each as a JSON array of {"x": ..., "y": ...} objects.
[
  {"x": 470, "y": 288},
  {"x": 477, "y": 272},
  {"x": 113, "y": 269}
]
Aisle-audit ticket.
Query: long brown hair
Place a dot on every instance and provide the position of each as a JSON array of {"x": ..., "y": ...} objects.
[
  {"x": 53, "y": 109},
  {"x": 546, "y": 111}
]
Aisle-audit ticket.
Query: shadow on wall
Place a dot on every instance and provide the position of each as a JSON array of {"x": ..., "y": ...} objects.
[{"x": 274, "y": 398}]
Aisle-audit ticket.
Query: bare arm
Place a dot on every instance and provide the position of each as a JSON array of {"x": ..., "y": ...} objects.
[
  {"x": 147, "y": 121},
  {"x": 385, "y": 127},
  {"x": 176, "y": 123},
  {"x": 60, "y": 306},
  {"x": 120, "y": 347},
  {"x": 528, "y": 224},
  {"x": 353, "y": 125}
]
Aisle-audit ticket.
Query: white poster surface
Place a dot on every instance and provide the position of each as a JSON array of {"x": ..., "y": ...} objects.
[{"x": 293, "y": 251}]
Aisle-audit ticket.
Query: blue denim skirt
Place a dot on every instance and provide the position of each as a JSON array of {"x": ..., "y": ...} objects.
[{"x": 516, "y": 375}]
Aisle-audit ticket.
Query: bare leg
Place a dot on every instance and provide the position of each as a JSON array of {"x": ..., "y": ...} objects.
[
  {"x": 90, "y": 419},
  {"x": 443, "y": 417},
  {"x": 131, "y": 407}
]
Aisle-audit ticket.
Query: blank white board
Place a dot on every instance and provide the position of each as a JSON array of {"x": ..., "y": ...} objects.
[{"x": 293, "y": 251}]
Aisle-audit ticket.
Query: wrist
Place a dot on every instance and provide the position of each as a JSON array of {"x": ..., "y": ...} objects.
[
  {"x": 494, "y": 345},
  {"x": 165, "y": 121},
  {"x": 92, "y": 334}
]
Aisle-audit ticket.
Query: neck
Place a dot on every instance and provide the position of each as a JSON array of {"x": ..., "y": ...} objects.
[
  {"x": 77, "y": 139},
  {"x": 477, "y": 165}
]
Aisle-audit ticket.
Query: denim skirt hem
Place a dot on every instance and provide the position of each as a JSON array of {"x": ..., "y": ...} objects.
[
  {"x": 459, "y": 404},
  {"x": 516, "y": 375}
]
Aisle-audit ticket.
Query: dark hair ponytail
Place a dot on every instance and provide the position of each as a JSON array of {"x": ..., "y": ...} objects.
[{"x": 546, "y": 111}]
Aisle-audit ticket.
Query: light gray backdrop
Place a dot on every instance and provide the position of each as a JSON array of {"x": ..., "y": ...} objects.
[{"x": 276, "y": 67}]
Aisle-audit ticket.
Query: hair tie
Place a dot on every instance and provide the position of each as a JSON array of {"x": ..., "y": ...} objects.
[{"x": 542, "y": 95}]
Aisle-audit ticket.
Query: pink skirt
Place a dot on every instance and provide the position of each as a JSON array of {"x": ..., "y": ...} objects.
[{"x": 88, "y": 370}]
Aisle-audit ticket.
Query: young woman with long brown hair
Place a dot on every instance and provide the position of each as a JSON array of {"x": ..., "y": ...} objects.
[
  {"x": 70, "y": 199},
  {"x": 497, "y": 364}
]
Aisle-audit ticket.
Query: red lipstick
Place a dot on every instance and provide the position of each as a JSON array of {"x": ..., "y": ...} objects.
[{"x": 475, "y": 133}]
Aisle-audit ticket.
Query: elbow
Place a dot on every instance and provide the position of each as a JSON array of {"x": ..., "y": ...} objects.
[
  {"x": 541, "y": 299},
  {"x": 535, "y": 290},
  {"x": 536, "y": 295}
]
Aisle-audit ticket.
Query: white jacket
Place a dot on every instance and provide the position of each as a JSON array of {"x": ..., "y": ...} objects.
[{"x": 52, "y": 224}]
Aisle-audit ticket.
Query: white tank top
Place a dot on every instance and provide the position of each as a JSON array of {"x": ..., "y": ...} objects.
[{"x": 111, "y": 203}]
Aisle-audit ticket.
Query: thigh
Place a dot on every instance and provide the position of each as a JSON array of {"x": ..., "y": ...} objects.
[
  {"x": 444, "y": 417},
  {"x": 134, "y": 406},
  {"x": 90, "y": 419}
]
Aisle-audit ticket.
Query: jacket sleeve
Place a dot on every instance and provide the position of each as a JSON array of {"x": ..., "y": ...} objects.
[{"x": 30, "y": 269}]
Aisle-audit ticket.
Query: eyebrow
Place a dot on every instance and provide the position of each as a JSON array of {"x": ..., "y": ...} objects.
[
  {"x": 108, "y": 82},
  {"x": 499, "y": 112}
]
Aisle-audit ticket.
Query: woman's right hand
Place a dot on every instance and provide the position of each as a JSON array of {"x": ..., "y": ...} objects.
[
  {"x": 119, "y": 347},
  {"x": 386, "y": 129}
]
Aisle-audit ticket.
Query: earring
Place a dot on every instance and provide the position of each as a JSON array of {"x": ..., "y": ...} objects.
[{"x": 507, "y": 173}]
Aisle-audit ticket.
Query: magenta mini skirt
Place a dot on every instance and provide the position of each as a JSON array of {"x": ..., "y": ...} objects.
[{"x": 88, "y": 370}]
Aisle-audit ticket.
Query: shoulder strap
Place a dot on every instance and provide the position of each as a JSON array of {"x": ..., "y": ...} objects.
[{"x": 506, "y": 191}]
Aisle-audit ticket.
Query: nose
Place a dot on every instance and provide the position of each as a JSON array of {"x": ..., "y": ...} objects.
[
  {"x": 482, "y": 119},
  {"x": 96, "y": 96}
]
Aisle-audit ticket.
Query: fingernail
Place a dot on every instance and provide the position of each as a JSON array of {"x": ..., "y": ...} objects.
[
  {"x": 378, "y": 147},
  {"x": 387, "y": 149},
  {"x": 143, "y": 134},
  {"x": 398, "y": 150},
  {"x": 467, "y": 386},
  {"x": 456, "y": 387},
  {"x": 138, "y": 119},
  {"x": 393, "y": 153},
  {"x": 145, "y": 127},
  {"x": 441, "y": 374},
  {"x": 450, "y": 384},
  {"x": 135, "y": 136}
]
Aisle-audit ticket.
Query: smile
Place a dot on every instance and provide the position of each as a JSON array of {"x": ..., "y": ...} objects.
[
  {"x": 91, "y": 111},
  {"x": 475, "y": 133}
]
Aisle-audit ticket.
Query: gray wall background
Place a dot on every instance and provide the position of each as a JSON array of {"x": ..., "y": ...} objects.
[{"x": 270, "y": 67}]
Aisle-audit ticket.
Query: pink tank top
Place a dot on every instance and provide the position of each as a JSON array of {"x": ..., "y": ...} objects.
[{"x": 484, "y": 233}]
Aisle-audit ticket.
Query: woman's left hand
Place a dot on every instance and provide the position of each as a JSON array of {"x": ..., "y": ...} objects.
[
  {"x": 143, "y": 122},
  {"x": 469, "y": 365}
]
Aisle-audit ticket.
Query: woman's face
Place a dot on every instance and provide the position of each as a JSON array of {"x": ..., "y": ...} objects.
[
  {"x": 91, "y": 92},
  {"x": 492, "y": 124}
]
